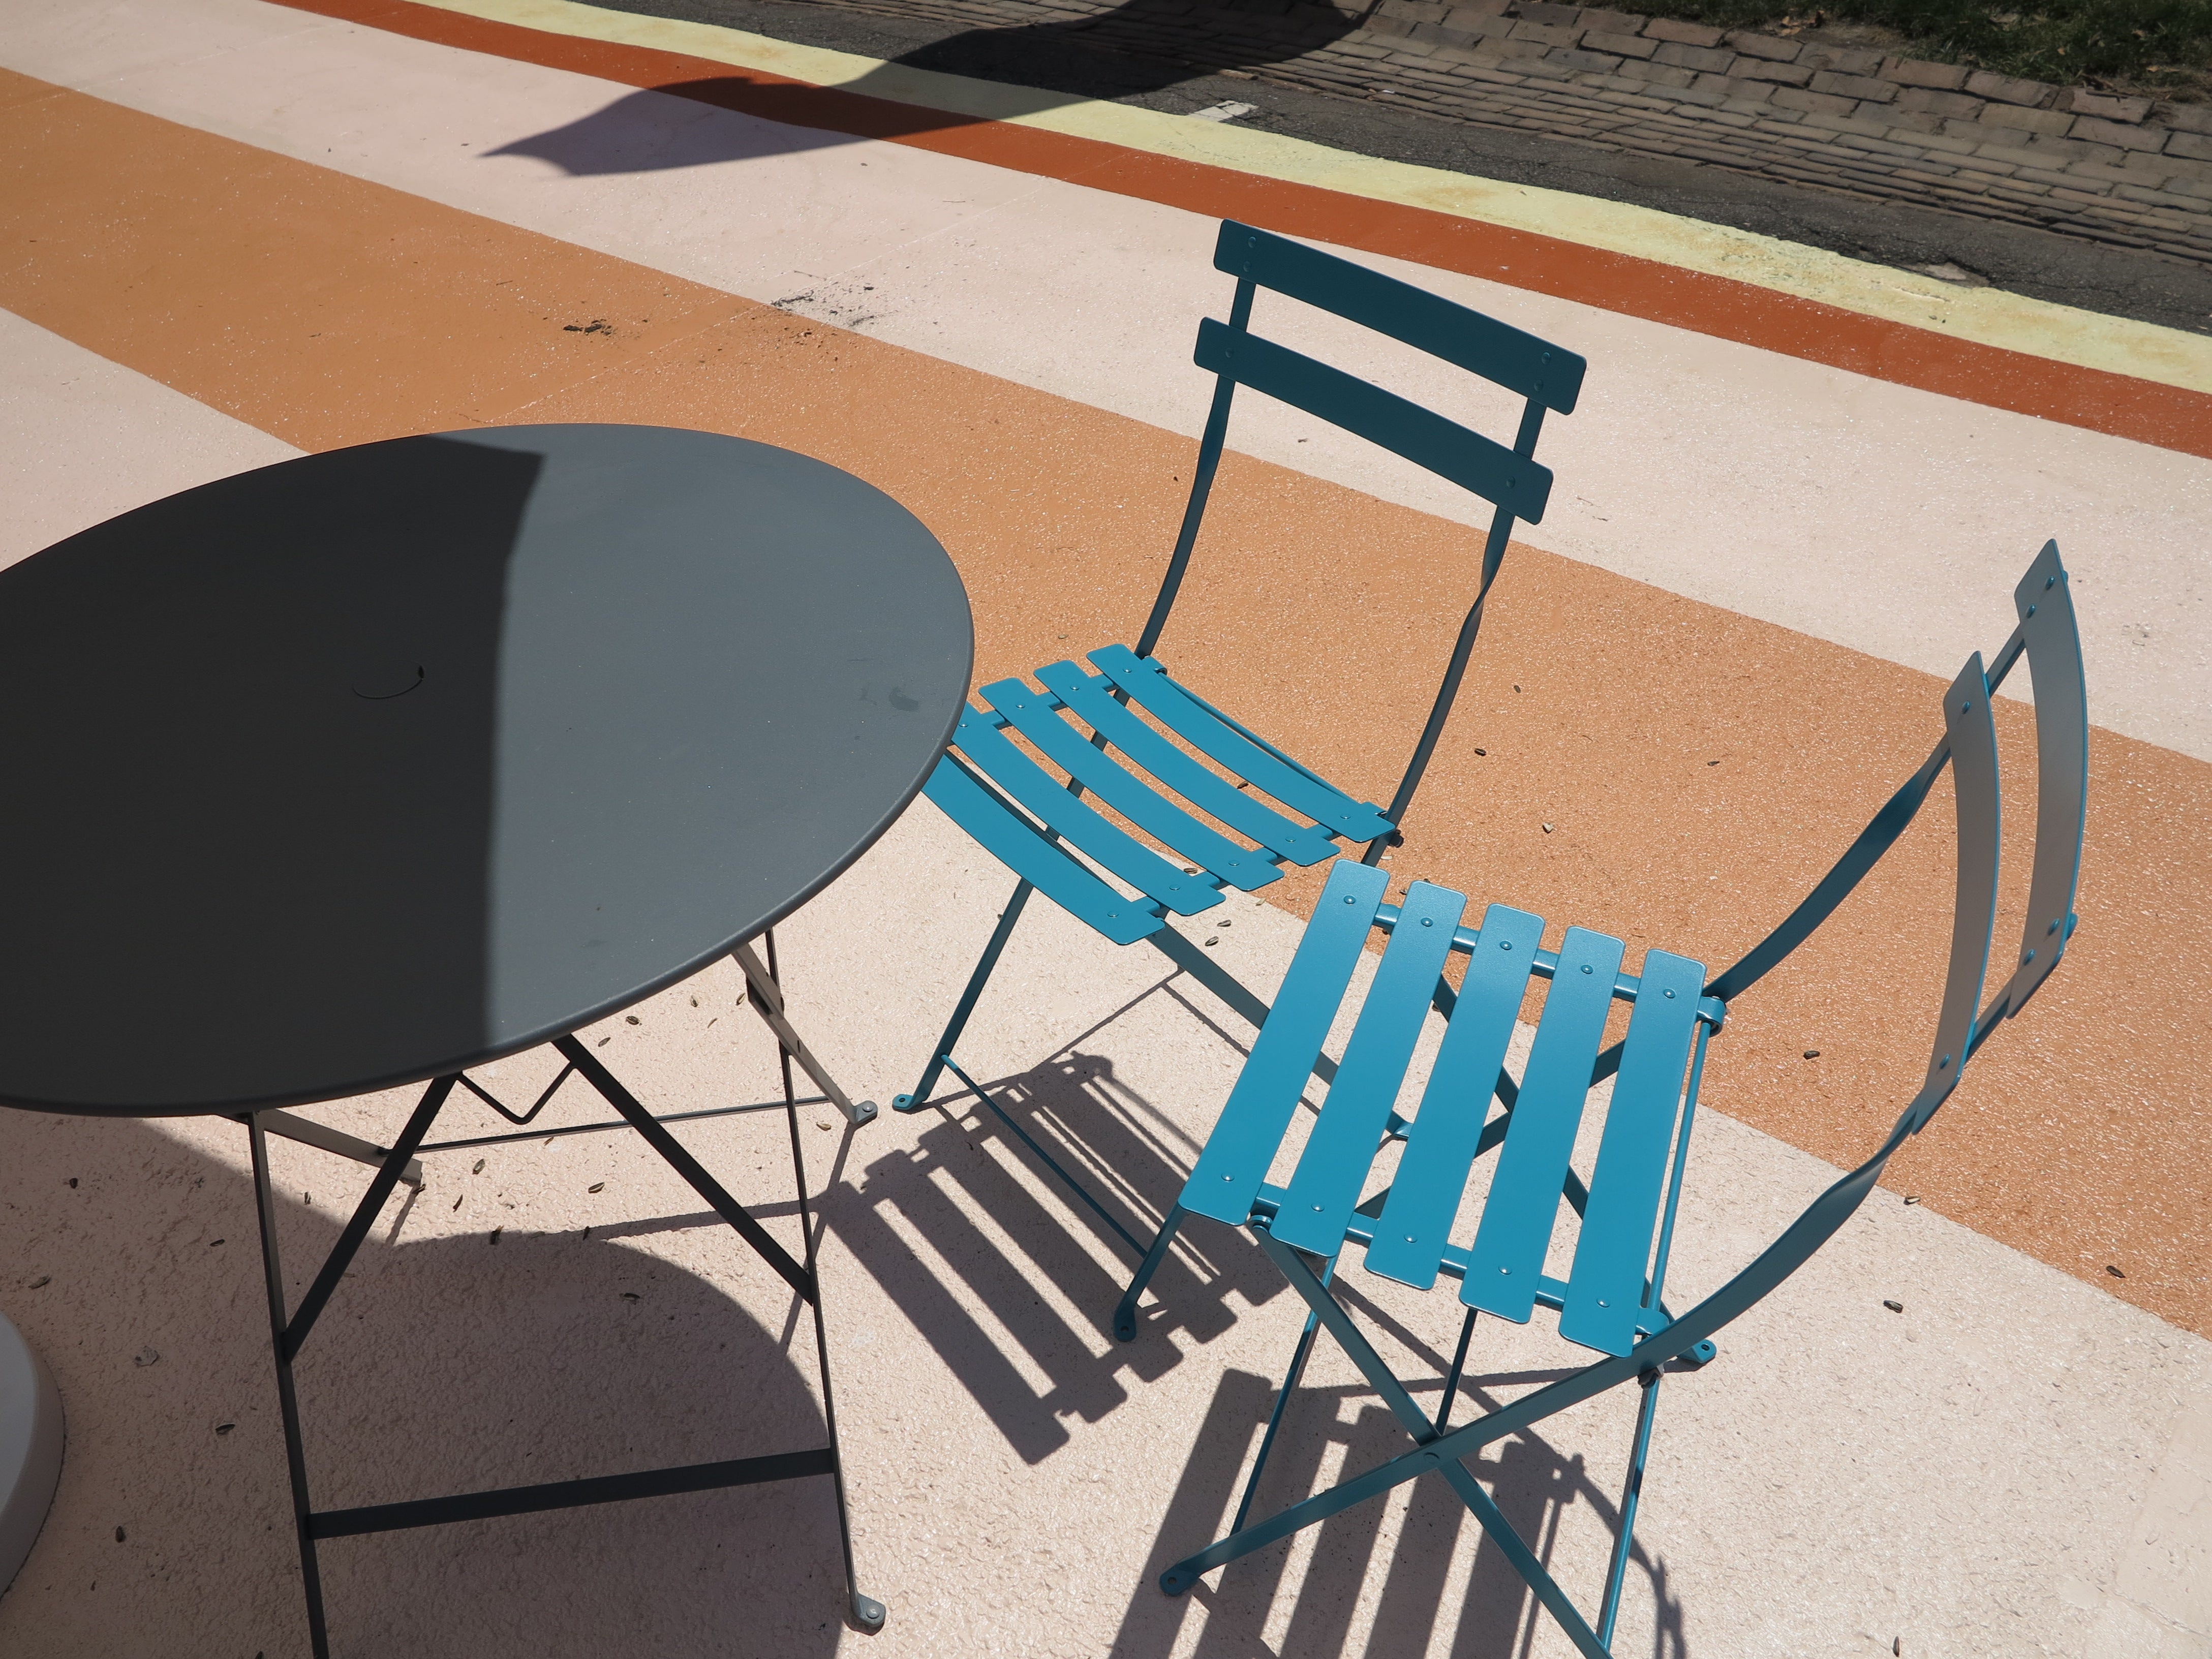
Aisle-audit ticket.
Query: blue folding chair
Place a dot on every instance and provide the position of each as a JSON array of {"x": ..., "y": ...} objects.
[
  {"x": 1611, "y": 1301},
  {"x": 1222, "y": 832}
]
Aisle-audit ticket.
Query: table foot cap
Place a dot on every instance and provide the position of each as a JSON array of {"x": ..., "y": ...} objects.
[{"x": 867, "y": 1614}]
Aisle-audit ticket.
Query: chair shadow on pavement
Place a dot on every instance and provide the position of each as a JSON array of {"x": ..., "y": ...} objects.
[
  {"x": 1041, "y": 66},
  {"x": 1488, "y": 1612},
  {"x": 448, "y": 1365},
  {"x": 963, "y": 1172}
]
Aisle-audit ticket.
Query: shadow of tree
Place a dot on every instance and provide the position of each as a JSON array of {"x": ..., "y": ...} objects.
[{"x": 1139, "y": 47}]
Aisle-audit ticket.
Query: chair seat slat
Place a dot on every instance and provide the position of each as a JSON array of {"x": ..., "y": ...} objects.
[
  {"x": 1036, "y": 792},
  {"x": 1532, "y": 1165},
  {"x": 1210, "y": 792},
  {"x": 1015, "y": 842},
  {"x": 1606, "y": 1285},
  {"x": 1231, "y": 1169},
  {"x": 1147, "y": 682},
  {"x": 1334, "y": 1163},
  {"x": 1098, "y": 772},
  {"x": 1440, "y": 1147}
]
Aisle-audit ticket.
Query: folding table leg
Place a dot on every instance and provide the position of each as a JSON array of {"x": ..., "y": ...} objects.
[
  {"x": 868, "y": 1613},
  {"x": 766, "y": 997}
]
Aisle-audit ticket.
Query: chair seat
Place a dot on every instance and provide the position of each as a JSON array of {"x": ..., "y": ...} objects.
[
  {"x": 1404, "y": 1231},
  {"x": 1218, "y": 830}
]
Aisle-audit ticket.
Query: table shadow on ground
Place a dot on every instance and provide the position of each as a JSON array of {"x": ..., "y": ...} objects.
[{"x": 450, "y": 1364}]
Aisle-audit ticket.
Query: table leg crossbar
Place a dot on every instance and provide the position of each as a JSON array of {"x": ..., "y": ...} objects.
[{"x": 289, "y": 1331}]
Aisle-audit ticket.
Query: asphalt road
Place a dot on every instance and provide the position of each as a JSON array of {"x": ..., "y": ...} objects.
[{"x": 2116, "y": 282}]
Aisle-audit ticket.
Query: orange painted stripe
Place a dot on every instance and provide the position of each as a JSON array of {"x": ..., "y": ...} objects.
[{"x": 2122, "y": 405}]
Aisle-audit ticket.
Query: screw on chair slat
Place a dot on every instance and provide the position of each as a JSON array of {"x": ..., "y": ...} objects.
[
  {"x": 1035, "y": 718},
  {"x": 1118, "y": 851},
  {"x": 1441, "y": 1146},
  {"x": 1145, "y": 682},
  {"x": 1532, "y": 1165},
  {"x": 1228, "y": 1172},
  {"x": 1482, "y": 345},
  {"x": 1025, "y": 849},
  {"x": 1211, "y": 793},
  {"x": 1613, "y": 1251},
  {"x": 1520, "y": 485},
  {"x": 1334, "y": 1166}
]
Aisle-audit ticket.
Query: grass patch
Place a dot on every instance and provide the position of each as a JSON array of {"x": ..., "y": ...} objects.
[{"x": 2148, "y": 45}]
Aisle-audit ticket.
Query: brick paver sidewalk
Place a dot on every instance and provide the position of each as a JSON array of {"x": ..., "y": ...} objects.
[{"x": 2113, "y": 170}]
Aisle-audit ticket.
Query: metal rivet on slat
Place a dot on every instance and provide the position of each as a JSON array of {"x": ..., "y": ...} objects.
[
  {"x": 1602, "y": 1303},
  {"x": 2052, "y": 928},
  {"x": 1507, "y": 944},
  {"x": 1505, "y": 1270},
  {"x": 1348, "y": 899},
  {"x": 1409, "y": 1239},
  {"x": 1316, "y": 1209},
  {"x": 2029, "y": 958},
  {"x": 2050, "y": 582},
  {"x": 1670, "y": 996},
  {"x": 2030, "y": 611},
  {"x": 1228, "y": 1177},
  {"x": 1586, "y": 968},
  {"x": 1943, "y": 1062},
  {"x": 1428, "y": 921},
  {"x": 1966, "y": 708}
]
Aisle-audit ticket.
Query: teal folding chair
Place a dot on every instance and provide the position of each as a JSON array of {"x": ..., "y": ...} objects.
[
  {"x": 1612, "y": 1299},
  {"x": 1229, "y": 807}
]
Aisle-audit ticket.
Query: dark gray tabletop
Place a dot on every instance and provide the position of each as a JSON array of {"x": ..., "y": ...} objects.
[{"x": 363, "y": 767}]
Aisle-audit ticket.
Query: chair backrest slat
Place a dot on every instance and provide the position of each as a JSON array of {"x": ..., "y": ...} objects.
[
  {"x": 1334, "y": 1166},
  {"x": 1973, "y": 741},
  {"x": 1606, "y": 1285},
  {"x": 1210, "y": 792},
  {"x": 1467, "y": 339},
  {"x": 1519, "y": 485},
  {"x": 2045, "y": 604},
  {"x": 1524, "y": 1204},
  {"x": 1228, "y": 1172},
  {"x": 1151, "y": 811},
  {"x": 1440, "y": 1146}
]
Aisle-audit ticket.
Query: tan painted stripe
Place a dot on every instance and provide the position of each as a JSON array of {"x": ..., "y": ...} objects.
[
  {"x": 2129, "y": 379},
  {"x": 325, "y": 311}
]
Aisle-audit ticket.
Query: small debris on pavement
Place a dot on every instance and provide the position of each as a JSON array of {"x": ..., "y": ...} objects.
[
  {"x": 146, "y": 1356},
  {"x": 630, "y": 1018},
  {"x": 478, "y": 1169},
  {"x": 1894, "y": 1307},
  {"x": 496, "y": 1232},
  {"x": 72, "y": 1181},
  {"x": 597, "y": 1187},
  {"x": 2115, "y": 1271},
  {"x": 1215, "y": 939},
  {"x": 1547, "y": 829},
  {"x": 41, "y": 1281},
  {"x": 118, "y": 1535},
  {"x": 212, "y": 1243},
  {"x": 629, "y": 1296},
  {"x": 1482, "y": 751},
  {"x": 1812, "y": 1054},
  {"x": 825, "y": 1124},
  {"x": 457, "y": 1203},
  {"x": 1912, "y": 1198},
  {"x": 224, "y": 1428}
]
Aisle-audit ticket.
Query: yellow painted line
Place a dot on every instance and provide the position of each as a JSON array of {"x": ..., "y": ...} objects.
[{"x": 1986, "y": 316}]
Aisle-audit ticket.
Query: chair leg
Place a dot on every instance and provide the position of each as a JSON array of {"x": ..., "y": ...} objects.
[
  {"x": 1616, "y": 1572},
  {"x": 1299, "y": 1355},
  {"x": 966, "y": 1006},
  {"x": 1125, "y": 1315}
]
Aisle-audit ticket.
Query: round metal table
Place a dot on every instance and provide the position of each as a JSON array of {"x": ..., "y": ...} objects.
[
  {"x": 370, "y": 767},
  {"x": 376, "y": 764}
]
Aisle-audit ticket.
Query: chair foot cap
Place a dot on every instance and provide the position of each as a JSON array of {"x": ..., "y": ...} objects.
[
  {"x": 867, "y": 1614},
  {"x": 1177, "y": 1580},
  {"x": 905, "y": 1104},
  {"x": 1125, "y": 1324}
]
